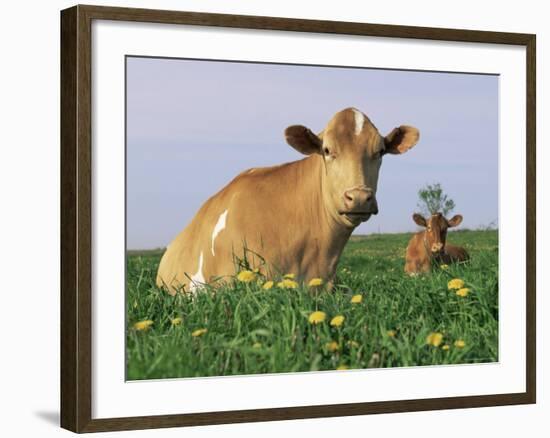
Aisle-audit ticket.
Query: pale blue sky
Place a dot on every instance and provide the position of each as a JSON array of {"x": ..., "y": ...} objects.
[{"x": 193, "y": 125}]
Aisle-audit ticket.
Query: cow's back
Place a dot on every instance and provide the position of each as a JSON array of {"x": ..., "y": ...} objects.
[{"x": 455, "y": 253}]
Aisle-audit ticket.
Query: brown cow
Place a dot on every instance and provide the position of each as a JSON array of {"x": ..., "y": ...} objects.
[
  {"x": 292, "y": 218},
  {"x": 429, "y": 246}
]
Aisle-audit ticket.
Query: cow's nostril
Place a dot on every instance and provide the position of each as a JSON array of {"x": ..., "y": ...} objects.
[{"x": 348, "y": 196}]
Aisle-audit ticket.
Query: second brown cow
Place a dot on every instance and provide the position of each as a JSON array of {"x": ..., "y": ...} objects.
[{"x": 429, "y": 246}]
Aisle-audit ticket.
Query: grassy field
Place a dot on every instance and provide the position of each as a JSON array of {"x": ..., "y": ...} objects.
[{"x": 249, "y": 330}]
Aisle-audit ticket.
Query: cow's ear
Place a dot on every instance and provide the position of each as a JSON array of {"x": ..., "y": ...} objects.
[
  {"x": 401, "y": 139},
  {"x": 303, "y": 140},
  {"x": 455, "y": 220},
  {"x": 419, "y": 220}
]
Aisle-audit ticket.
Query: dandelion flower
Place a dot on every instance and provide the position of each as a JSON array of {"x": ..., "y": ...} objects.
[
  {"x": 246, "y": 276},
  {"x": 289, "y": 276},
  {"x": 455, "y": 283},
  {"x": 337, "y": 321},
  {"x": 317, "y": 317},
  {"x": 434, "y": 339},
  {"x": 342, "y": 367},
  {"x": 463, "y": 292},
  {"x": 391, "y": 333},
  {"x": 257, "y": 345},
  {"x": 199, "y": 332},
  {"x": 333, "y": 346},
  {"x": 176, "y": 321},
  {"x": 444, "y": 267},
  {"x": 445, "y": 347},
  {"x": 315, "y": 282},
  {"x": 143, "y": 325},
  {"x": 356, "y": 299},
  {"x": 287, "y": 283},
  {"x": 267, "y": 285},
  {"x": 460, "y": 343}
]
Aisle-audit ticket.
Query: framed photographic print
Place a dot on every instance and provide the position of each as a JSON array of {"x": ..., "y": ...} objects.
[{"x": 270, "y": 218}]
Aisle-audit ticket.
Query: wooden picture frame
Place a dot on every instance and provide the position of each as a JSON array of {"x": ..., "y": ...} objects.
[{"x": 76, "y": 217}]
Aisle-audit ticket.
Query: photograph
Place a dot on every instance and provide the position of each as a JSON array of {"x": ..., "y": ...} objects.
[{"x": 285, "y": 218}]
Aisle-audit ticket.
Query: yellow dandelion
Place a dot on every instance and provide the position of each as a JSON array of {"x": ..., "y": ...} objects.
[
  {"x": 143, "y": 325},
  {"x": 445, "y": 347},
  {"x": 176, "y": 321},
  {"x": 434, "y": 339},
  {"x": 315, "y": 282},
  {"x": 246, "y": 276},
  {"x": 463, "y": 292},
  {"x": 333, "y": 346},
  {"x": 337, "y": 321},
  {"x": 287, "y": 283},
  {"x": 455, "y": 283},
  {"x": 317, "y": 317},
  {"x": 199, "y": 332},
  {"x": 342, "y": 367},
  {"x": 356, "y": 299},
  {"x": 444, "y": 267},
  {"x": 267, "y": 285},
  {"x": 289, "y": 276},
  {"x": 460, "y": 343},
  {"x": 391, "y": 333},
  {"x": 257, "y": 345},
  {"x": 353, "y": 344}
]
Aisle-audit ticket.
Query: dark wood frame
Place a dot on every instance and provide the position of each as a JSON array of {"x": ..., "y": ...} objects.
[{"x": 76, "y": 237}]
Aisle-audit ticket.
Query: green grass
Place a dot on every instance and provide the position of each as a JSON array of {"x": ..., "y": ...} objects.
[{"x": 252, "y": 331}]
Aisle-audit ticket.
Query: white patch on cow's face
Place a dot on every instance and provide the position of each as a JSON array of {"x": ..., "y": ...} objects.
[
  {"x": 220, "y": 225},
  {"x": 359, "y": 121},
  {"x": 198, "y": 278}
]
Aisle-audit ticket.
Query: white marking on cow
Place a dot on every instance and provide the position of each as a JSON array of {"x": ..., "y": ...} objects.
[
  {"x": 198, "y": 277},
  {"x": 220, "y": 225},
  {"x": 359, "y": 121}
]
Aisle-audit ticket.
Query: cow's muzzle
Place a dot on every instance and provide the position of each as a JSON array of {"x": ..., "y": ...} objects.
[{"x": 359, "y": 201}]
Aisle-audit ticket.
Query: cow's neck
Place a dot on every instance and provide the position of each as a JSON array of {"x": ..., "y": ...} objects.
[
  {"x": 424, "y": 239},
  {"x": 425, "y": 246}
]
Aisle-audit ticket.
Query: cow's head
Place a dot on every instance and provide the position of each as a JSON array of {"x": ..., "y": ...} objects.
[
  {"x": 352, "y": 150},
  {"x": 436, "y": 230}
]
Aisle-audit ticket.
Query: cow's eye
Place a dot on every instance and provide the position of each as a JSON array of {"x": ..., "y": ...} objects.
[{"x": 326, "y": 151}]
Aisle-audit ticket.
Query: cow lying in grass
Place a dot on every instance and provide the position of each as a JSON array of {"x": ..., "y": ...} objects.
[
  {"x": 429, "y": 246},
  {"x": 297, "y": 216}
]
